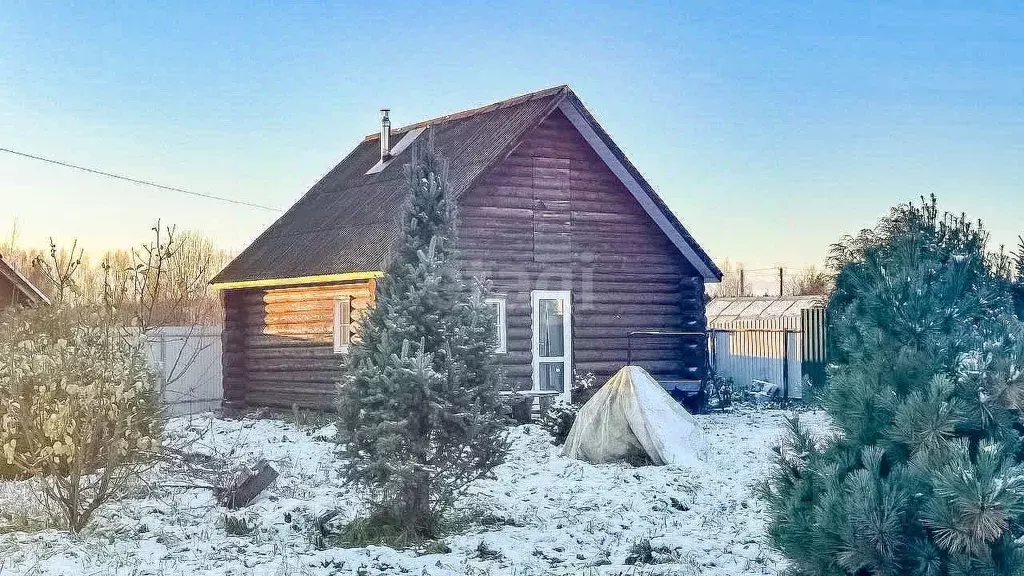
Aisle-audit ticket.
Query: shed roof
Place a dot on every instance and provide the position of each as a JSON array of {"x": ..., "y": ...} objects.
[
  {"x": 28, "y": 290},
  {"x": 724, "y": 310},
  {"x": 348, "y": 221}
]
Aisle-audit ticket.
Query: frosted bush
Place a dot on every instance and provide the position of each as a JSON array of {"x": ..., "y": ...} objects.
[
  {"x": 558, "y": 419},
  {"x": 79, "y": 408}
]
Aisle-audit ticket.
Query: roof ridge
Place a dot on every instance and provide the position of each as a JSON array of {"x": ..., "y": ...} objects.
[{"x": 478, "y": 110}]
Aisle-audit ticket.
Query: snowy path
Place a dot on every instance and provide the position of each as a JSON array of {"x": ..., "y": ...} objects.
[{"x": 542, "y": 515}]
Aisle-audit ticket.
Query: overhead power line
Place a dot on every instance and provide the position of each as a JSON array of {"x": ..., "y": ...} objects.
[{"x": 138, "y": 181}]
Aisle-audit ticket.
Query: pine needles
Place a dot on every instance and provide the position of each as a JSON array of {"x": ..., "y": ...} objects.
[{"x": 924, "y": 476}]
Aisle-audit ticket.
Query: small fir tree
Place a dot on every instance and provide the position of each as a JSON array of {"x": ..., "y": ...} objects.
[
  {"x": 420, "y": 402},
  {"x": 922, "y": 475}
]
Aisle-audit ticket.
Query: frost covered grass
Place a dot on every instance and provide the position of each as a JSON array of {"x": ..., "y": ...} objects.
[{"x": 542, "y": 514}]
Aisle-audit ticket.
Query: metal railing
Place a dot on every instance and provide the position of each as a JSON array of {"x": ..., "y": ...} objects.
[{"x": 653, "y": 333}]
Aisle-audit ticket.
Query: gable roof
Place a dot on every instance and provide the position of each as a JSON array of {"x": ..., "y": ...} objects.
[
  {"x": 32, "y": 294},
  {"x": 347, "y": 222}
]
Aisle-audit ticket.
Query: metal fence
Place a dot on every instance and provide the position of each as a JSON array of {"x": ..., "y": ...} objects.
[
  {"x": 779, "y": 351},
  {"x": 187, "y": 360}
]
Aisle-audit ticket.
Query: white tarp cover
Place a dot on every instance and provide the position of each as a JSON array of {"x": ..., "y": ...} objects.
[{"x": 633, "y": 414}]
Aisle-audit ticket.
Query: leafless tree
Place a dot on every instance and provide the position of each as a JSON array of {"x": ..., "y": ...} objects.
[
  {"x": 734, "y": 282},
  {"x": 810, "y": 282}
]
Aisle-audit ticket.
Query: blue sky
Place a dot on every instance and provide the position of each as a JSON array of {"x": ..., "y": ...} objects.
[{"x": 770, "y": 128}]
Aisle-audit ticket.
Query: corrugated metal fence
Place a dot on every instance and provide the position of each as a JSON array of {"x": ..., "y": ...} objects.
[
  {"x": 187, "y": 360},
  {"x": 780, "y": 351}
]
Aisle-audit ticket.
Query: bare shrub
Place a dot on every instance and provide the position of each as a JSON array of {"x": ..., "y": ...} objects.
[
  {"x": 80, "y": 408},
  {"x": 81, "y": 412}
]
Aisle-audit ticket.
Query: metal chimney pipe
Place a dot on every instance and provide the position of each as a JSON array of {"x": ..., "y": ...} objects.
[{"x": 385, "y": 135}]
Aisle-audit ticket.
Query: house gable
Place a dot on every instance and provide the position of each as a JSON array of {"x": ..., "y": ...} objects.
[
  {"x": 552, "y": 216},
  {"x": 348, "y": 222},
  {"x": 653, "y": 205},
  {"x": 553, "y": 201}
]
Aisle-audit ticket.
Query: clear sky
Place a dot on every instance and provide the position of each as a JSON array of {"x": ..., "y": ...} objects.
[{"x": 770, "y": 128}]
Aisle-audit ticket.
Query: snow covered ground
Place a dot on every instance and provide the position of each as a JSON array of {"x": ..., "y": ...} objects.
[{"x": 543, "y": 514}]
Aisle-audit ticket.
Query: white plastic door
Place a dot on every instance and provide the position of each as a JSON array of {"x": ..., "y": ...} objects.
[{"x": 552, "y": 341}]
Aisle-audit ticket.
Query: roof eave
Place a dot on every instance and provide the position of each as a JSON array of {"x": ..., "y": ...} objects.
[
  {"x": 641, "y": 190},
  {"x": 295, "y": 281}
]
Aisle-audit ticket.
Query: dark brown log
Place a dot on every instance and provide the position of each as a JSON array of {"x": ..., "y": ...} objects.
[
  {"x": 304, "y": 398},
  {"x": 640, "y": 354},
  {"x": 321, "y": 376},
  {"x": 279, "y": 341},
  {"x": 314, "y": 293},
  {"x": 626, "y": 322},
  {"x": 313, "y": 351},
  {"x": 615, "y": 299},
  {"x": 612, "y": 366},
  {"x": 317, "y": 305},
  {"x": 671, "y": 345},
  {"x": 293, "y": 365},
  {"x": 292, "y": 329},
  {"x": 312, "y": 318}
]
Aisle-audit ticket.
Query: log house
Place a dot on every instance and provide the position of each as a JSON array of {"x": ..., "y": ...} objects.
[{"x": 577, "y": 247}]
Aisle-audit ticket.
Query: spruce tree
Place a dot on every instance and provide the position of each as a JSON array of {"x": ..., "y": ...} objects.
[
  {"x": 420, "y": 400},
  {"x": 922, "y": 474}
]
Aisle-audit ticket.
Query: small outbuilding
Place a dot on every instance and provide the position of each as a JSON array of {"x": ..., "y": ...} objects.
[
  {"x": 16, "y": 289},
  {"x": 768, "y": 340}
]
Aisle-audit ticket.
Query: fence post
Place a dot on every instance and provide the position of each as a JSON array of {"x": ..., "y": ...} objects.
[
  {"x": 785, "y": 364},
  {"x": 163, "y": 362}
]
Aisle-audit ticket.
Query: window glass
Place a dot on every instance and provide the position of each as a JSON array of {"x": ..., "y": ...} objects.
[
  {"x": 498, "y": 308},
  {"x": 552, "y": 376},
  {"x": 342, "y": 323},
  {"x": 552, "y": 328}
]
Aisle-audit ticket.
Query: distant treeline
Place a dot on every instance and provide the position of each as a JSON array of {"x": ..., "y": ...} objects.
[{"x": 173, "y": 270}]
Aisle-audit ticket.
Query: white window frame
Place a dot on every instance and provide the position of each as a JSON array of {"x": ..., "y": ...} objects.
[
  {"x": 342, "y": 304},
  {"x": 502, "y": 346}
]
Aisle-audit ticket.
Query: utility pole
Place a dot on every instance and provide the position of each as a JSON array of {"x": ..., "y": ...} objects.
[
  {"x": 741, "y": 282},
  {"x": 781, "y": 281}
]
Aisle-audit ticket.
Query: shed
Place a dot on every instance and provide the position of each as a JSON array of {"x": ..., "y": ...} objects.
[
  {"x": 773, "y": 339},
  {"x": 16, "y": 289}
]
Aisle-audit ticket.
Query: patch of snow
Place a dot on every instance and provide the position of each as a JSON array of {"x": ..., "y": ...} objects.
[{"x": 541, "y": 513}]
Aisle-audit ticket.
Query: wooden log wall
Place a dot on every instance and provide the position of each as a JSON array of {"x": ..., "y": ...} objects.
[
  {"x": 279, "y": 344},
  {"x": 552, "y": 216}
]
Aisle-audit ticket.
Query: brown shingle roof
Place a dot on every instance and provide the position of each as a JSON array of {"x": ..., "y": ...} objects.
[{"x": 347, "y": 221}]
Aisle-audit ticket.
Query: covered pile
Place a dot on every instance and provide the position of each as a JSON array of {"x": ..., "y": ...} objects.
[{"x": 632, "y": 415}]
